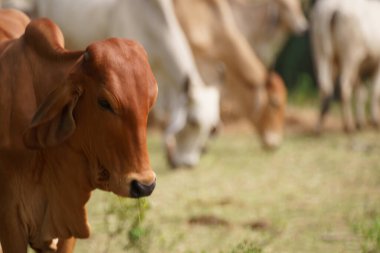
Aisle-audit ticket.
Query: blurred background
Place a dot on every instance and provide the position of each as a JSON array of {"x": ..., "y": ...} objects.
[{"x": 278, "y": 173}]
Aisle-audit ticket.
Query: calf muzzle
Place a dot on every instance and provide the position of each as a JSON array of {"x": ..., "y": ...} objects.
[{"x": 139, "y": 190}]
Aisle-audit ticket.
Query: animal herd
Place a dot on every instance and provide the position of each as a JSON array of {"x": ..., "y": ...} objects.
[{"x": 76, "y": 95}]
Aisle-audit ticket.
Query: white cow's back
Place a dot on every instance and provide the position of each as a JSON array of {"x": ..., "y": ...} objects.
[
  {"x": 84, "y": 21},
  {"x": 367, "y": 17},
  {"x": 81, "y": 21}
]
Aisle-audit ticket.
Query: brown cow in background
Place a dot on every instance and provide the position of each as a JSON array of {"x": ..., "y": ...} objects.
[
  {"x": 71, "y": 121},
  {"x": 214, "y": 37}
]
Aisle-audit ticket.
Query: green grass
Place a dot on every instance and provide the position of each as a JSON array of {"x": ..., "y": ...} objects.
[
  {"x": 312, "y": 195},
  {"x": 369, "y": 230}
]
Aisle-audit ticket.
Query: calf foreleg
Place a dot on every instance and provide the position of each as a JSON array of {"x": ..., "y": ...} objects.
[
  {"x": 58, "y": 246},
  {"x": 66, "y": 246},
  {"x": 13, "y": 238}
]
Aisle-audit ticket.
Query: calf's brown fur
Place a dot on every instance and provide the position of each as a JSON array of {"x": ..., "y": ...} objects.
[{"x": 71, "y": 121}]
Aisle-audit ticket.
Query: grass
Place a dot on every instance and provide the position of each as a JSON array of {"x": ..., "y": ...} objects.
[
  {"x": 369, "y": 230},
  {"x": 312, "y": 195}
]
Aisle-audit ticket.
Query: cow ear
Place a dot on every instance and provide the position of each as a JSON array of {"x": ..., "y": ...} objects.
[{"x": 53, "y": 122}]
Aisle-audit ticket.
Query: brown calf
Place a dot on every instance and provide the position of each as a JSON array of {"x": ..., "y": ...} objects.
[{"x": 71, "y": 121}]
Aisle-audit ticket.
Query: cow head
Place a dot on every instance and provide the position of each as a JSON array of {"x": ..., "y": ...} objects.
[
  {"x": 188, "y": 108},
  {"x": 272, "y": 116},
  {"x": 101, "y": 112},
  {"x": 291, "y": 15},
  {"x": 191, "y": 124}
]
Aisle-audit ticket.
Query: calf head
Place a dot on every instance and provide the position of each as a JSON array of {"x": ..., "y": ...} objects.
[
  {"x": 101, "y": 112},
  {"x": 192, "y": 124},
  {"x": 291, "y": 15},
  {"x": 272, "y": 116}
]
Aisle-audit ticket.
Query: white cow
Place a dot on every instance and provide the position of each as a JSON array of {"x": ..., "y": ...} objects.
[
  {"x": 22, "y": 5},
  {"x": 346, "y": 44},
  {"x": 189, "y": 108},
  {"x": 268, "y": 23}
]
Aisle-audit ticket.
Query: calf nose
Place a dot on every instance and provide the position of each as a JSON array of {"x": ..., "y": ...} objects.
[{"x": 139, "y": 190}]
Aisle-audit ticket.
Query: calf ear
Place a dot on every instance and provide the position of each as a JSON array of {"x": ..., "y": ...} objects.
[{"x": 53, "y": 122}]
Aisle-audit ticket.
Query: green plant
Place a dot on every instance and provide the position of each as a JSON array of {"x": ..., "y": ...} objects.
[
  {"x": 127, "y": 216},
  {"x": 139, "y": 235},
  {"x": 369, "y": 231},
  {"x": 245, "y": 247}
]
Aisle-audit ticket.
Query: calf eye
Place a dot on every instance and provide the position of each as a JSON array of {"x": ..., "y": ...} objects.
[{"x": 105, "y": 104}]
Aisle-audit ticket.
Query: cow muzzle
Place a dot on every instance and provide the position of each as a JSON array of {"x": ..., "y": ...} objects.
[
  {"x": 272, "y": 140},
  {"x": 180, "y": 159},
  {"x": 139, "y": 190}
]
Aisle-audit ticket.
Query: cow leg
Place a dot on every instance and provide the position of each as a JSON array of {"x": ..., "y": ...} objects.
[
  {"x": 375, "y": 110},
  {"x": 12, "y": 237},
  {"x": 58, "y": 246},
  {"x": 347, "y": 79},
  {"x": 66, "y": 246},
  {"x": 326, "y": 89},
  {"x": 361, "y": 97}
]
